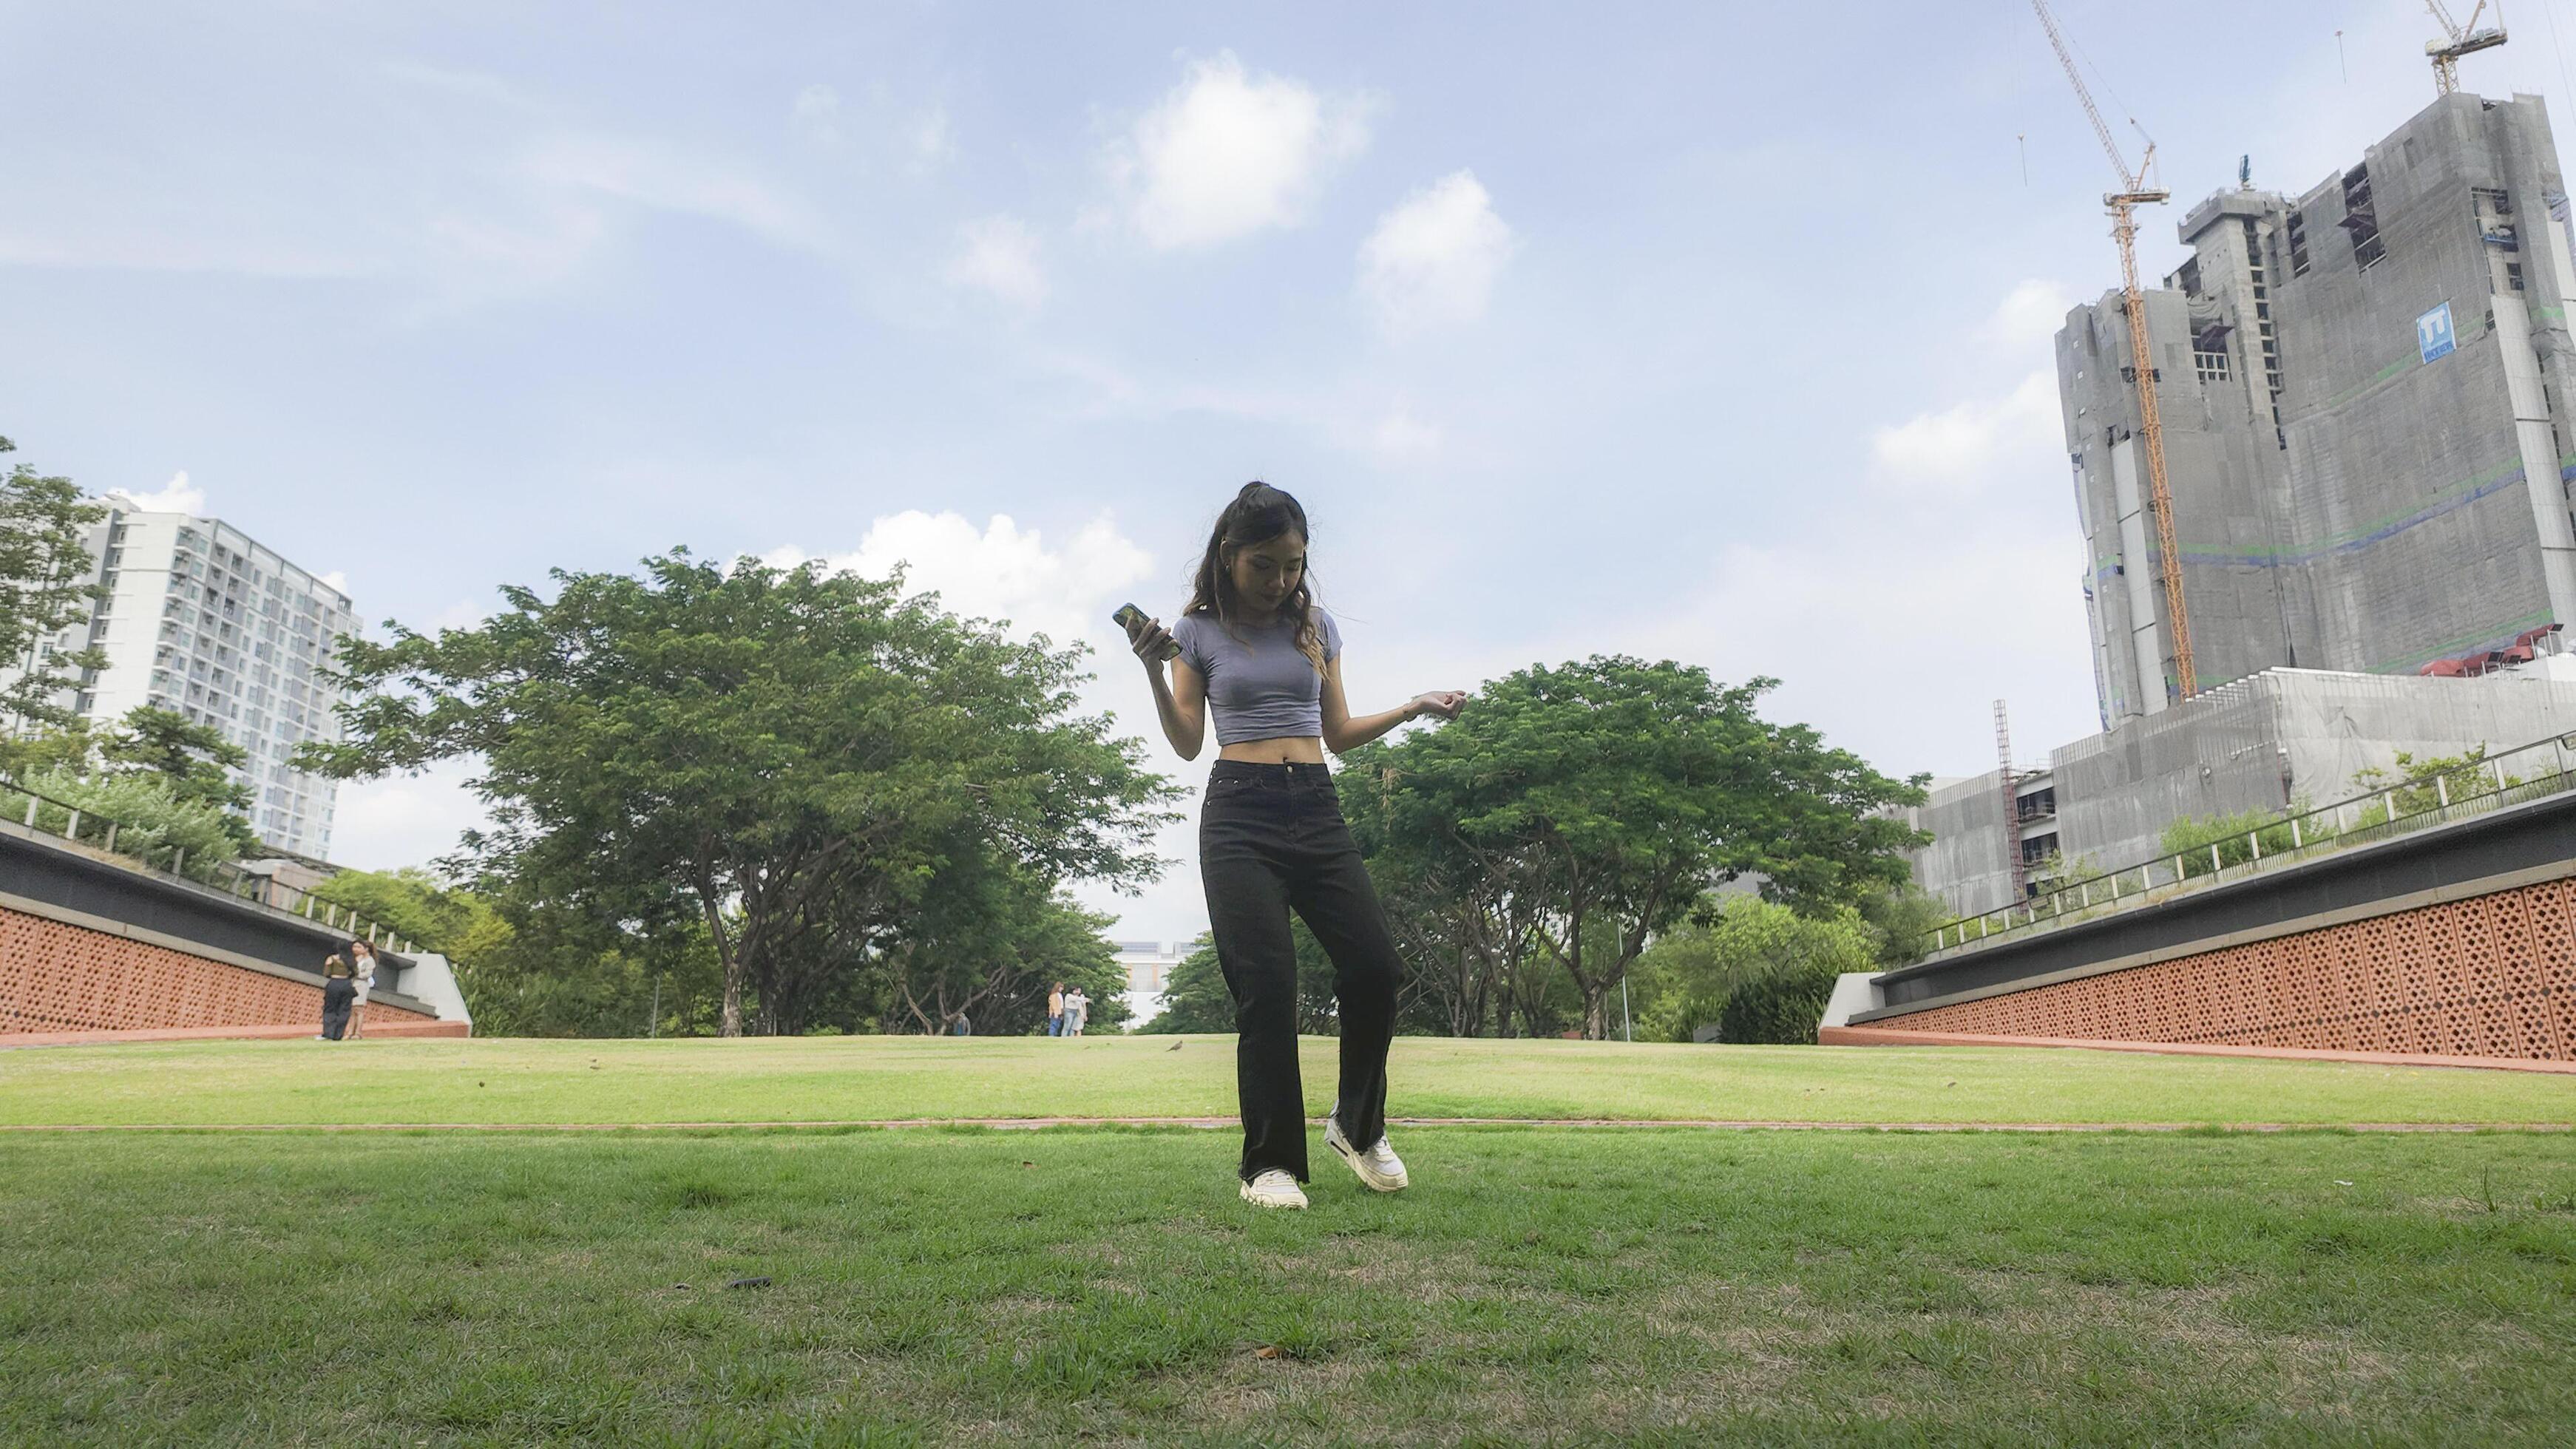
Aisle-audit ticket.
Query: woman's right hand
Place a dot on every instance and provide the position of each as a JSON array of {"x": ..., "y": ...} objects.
[{"x": 1151, "y": 641}]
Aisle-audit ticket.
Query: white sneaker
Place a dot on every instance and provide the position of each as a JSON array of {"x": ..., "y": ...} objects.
[
  {"x": 1379, "y": 1167},
  {"x": 1274, "y": 1189}
]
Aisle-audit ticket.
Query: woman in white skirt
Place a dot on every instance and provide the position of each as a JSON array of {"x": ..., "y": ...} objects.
[{"x": 362, "y": 966}]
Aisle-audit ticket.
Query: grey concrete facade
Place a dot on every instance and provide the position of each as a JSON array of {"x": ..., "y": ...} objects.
[
  {"x": 2518, "y": 845},
  {"x": 2284, "y": 736},
  {"x": 2347, "y": 495}
]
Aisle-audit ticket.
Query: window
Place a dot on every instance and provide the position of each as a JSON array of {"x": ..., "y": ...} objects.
[
  {"x": 2513, "y": 275},
  {"x": 2212, "y": 366},
  {"x": 2298, "y": 244},
  {"x": 2360, "y": 220}
]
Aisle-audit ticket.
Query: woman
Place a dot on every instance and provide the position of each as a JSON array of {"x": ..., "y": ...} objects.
[
  {"x": 1055, "y": 1010},
  {"x": 362, "y": 972},
  {"x": 337, "y": 992},
  {"x": 1256, "y": 651}
]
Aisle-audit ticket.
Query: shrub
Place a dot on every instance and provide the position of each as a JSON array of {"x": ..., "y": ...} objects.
[
  {"x": 2191, "y": 839},
  {"x": 1781, "y": 1009},
  {"x": 153, "y": 822},
  {"x": 1761, "y": 971}
]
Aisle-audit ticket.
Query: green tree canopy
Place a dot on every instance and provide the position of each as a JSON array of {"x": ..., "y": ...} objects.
[
  {"x": 195, "y": 759},
  {"x": 44, "y": 588},
  {"x": 797, "y": 759},
  {"x": 1578, "y": 810}
]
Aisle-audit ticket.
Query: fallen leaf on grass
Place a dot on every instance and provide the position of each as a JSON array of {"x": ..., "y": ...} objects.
[{"x": 1269, "y": 1350}]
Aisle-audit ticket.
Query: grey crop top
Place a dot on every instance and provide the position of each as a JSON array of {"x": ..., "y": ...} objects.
[{"x": 1258, "y": 686}]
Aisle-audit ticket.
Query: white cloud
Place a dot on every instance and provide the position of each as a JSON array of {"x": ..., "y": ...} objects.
[
  {"x": 1228, "y": 153},
  {"x": 928, "y": 141},
  {"x": 999, "y": 256},
  {"x": 1401, "y": 435},
  {"x": 1435, "y": 258},
  {"x": 463, "y": 614},
  {"x": 817, "y": 110},
  {"x": 336, "y": 579},
  {"x": 999, "y": 572},
  {"x": 401, "y": 820},
  {"x": 2029, "y": 318},
  {"x": 1961, "y": 448},
  {"x": 176, "y": 496}
]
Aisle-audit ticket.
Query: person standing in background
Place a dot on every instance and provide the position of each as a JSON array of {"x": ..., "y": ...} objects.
[
  {"x": 362, "y": 974},
  {"x": 1077, "y": 1006},
  {"x": 337, "y": 992},
  {"x": 1055, "y": 1010}
]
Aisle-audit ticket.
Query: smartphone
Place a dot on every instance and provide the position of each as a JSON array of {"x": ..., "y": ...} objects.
[{"x": 1129, "y": 615}]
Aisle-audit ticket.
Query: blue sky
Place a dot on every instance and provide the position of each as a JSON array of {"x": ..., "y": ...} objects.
[{"x": 1711, "y": 334}]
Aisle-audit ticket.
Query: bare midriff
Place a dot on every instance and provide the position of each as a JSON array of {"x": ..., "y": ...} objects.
[{"x": 1285, "y": 750}]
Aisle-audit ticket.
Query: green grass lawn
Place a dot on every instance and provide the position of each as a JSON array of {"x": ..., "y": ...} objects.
[
  {"x": 867, "y": 1078},
  {"x": 1537, "y": 1284},
  {"x": 1547, "y": 1283}
]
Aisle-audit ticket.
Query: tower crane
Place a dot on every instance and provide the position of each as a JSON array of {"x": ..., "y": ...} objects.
[
  {"x": 2122, "y": 204},
  {"x": 2464, "y": 39}
]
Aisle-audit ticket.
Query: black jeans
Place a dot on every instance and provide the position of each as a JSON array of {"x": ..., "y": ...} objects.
[
  {"x": 337, "y": 993},
  {"x": 1272, "y": 840}
]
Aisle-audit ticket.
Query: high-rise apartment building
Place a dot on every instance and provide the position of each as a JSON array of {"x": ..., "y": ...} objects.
[
  {"x": 200, "y": 619},
  {"x": 2368, "y": 396}
]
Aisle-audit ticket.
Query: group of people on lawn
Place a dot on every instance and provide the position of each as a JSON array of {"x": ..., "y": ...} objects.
[{"x": 1066, "y": 1010}]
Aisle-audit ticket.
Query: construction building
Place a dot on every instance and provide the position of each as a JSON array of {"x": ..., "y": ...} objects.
[
  {"x": 2365, "y": 396},
  {"x": 2281, "y": 739},
  {"x": 2365, "y": 393},
  {"x": 198, "y": 618}
]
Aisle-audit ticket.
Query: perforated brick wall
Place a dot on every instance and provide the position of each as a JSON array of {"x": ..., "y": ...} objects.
[
  {"x": 55, "y": 977},
  {"x": 2491, "y": 976}
]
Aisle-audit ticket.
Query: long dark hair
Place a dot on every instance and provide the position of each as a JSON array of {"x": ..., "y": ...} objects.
[{"x": 1258, "y": 514}]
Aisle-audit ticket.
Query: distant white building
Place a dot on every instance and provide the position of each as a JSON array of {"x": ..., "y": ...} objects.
[
  {"x": 200, "y": 619},
  {"x": 1149, "y": 974}
]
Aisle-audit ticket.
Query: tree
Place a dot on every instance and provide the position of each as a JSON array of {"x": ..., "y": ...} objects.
[
  {"x": 989, "y": 944},
  {"x": 67, "y": 747},
  {"x": 790, "y": 758},
  {"x": 1593, "y": 803},
  {"x": 1899, "y": 919},
  {"x": 44, "y": 588},
  {"x": 194, "y": 758}
]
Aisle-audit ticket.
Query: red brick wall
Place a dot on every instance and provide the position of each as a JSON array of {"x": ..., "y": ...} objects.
[
  {"x": 2491, "y": 976},
  {"x": 56, "y": 978}
]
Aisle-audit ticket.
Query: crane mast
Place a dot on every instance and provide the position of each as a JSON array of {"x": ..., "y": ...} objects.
[{"x": 2122, "y": 204}]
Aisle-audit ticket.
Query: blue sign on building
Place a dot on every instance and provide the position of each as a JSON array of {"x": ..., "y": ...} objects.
[{"x": 2433, "y": 333}]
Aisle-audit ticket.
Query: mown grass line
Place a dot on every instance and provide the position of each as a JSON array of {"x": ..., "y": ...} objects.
[
  {"x": 876, "y": 1078},
  {"x": 964, "y": 1285}
]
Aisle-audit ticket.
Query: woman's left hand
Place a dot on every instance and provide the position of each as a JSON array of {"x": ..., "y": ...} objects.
[{"x": 1444, "y": 703}]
